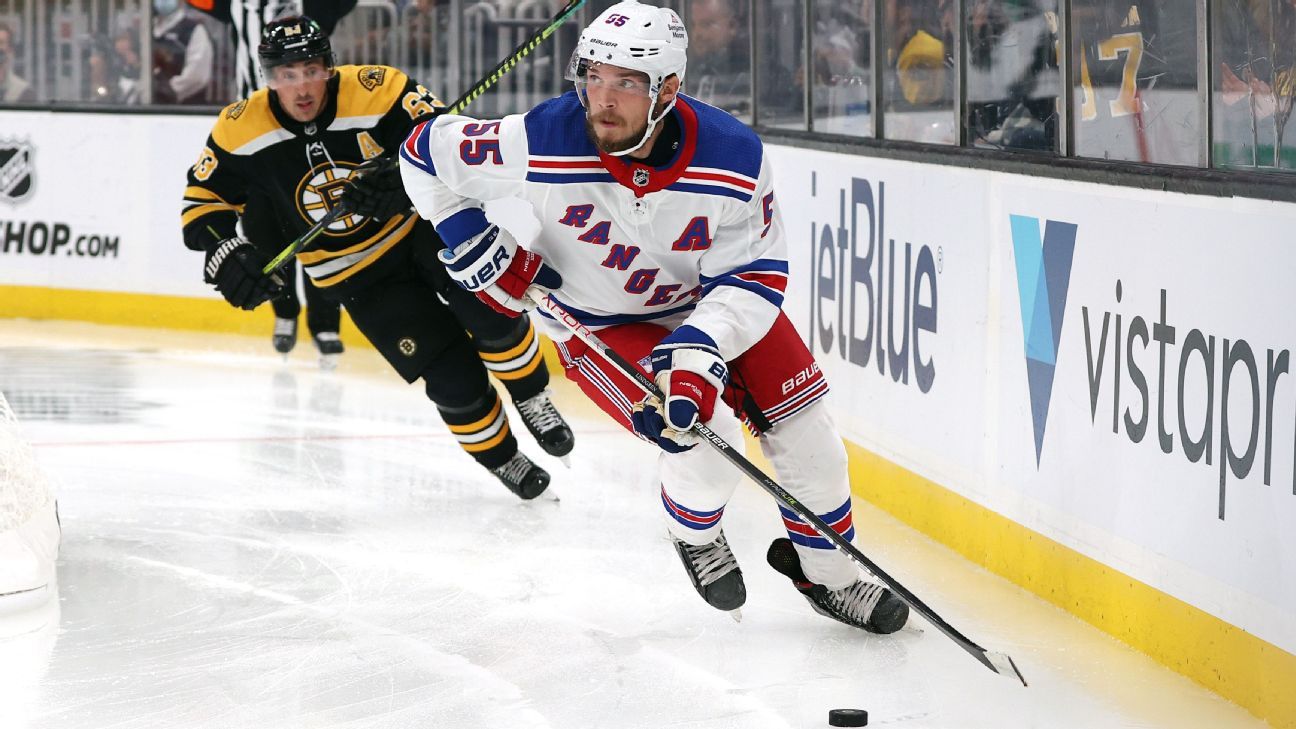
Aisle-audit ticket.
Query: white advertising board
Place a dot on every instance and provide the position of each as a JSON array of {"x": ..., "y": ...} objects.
[
  {"x": 1011, "y": 404},
  {"x": 888, "y": 284},
  {"x": 93, "y": 201},
  {"x": 1165, "y": 438},
  {"x": 100, "y": 206}
]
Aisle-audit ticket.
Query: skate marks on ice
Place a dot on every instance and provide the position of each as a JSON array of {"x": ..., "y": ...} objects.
[{"x": 267, "y": 545}]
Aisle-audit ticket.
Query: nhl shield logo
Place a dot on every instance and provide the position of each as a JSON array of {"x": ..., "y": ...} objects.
[
  {"x": 641, "y": 177},
  {"x": 16, "y": 170}
]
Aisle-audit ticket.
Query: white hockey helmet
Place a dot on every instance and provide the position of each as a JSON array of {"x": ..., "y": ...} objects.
[{"x": 639, "y": 37}]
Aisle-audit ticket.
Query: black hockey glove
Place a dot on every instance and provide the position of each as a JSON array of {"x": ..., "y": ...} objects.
[
  {"x": 376, "y": 190},
  {"x": 234, "y": 267}
]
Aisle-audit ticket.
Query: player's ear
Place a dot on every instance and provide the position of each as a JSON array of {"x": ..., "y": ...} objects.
[{"x": 670, "y": 88}]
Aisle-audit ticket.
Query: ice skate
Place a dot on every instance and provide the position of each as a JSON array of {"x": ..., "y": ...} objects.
[
  {"x": 860, "y": 604},
  {"x": 330, "y": 348},
  {"x": 522, "y": 477},
  {"x": 715, "y": 573},
  {"x": 285, "y": 336},
  {"x": 547, "y": 425}
]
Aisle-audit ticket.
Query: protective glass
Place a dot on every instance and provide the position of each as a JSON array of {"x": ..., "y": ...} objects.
[{"x": 289, "y": 75}]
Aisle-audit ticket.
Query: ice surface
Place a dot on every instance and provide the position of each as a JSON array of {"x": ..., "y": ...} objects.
[{"x": 253, "y": 543}]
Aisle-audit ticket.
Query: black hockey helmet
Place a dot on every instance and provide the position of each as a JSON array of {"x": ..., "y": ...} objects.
[{"x": 291, "y": 39}]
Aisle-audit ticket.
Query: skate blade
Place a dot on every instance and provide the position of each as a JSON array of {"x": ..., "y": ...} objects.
[
  {"x": 566, "y": 460},
  {"x": 549, "y": 496},
  {"x": 329, "y": 362},
  {"x": 736, "y": 614}
]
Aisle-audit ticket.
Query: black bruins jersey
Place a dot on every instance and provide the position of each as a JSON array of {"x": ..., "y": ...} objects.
[
  {"x": 299, "y": 170},
  {"x": 1119, "y": 56}
]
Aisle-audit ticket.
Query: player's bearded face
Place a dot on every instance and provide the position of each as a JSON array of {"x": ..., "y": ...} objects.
[
  {"x": 617, "y": 116},
  {"x": 611, "y": 132}
]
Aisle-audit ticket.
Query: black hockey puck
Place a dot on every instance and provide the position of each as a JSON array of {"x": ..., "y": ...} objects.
[{"x": 847, "y": 717}]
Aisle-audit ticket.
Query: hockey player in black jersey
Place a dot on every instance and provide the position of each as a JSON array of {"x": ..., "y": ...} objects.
[
  {"x": 298, "y": 144},
  {"x": 246, "y": 19}
]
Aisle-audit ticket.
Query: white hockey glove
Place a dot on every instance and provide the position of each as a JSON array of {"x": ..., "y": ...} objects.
[
  {"x": 692, "y": 376},
  {"x": 498, "y": 271}
]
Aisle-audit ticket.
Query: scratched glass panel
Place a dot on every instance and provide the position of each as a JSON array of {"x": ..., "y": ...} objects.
[
  {"x": 1013, "y": 80},
  {"x": 781, "y": 77},
  {"x": 842, "y": 64},
  {"x": 1255, "y": 53},
  {"x": 918, "y": 78},
  {"x": 1135, "y": 93}
]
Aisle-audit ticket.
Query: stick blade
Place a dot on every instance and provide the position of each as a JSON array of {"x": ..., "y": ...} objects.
[{"x": 1003, "y": 664}]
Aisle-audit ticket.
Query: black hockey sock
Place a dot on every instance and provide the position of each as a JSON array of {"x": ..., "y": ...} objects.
[
  {"x": 516, "y": 361},
  {"x": 482, "y": 429}
]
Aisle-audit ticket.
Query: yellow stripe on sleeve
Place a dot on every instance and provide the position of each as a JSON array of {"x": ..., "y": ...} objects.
[{"x": 197, "y": 211}]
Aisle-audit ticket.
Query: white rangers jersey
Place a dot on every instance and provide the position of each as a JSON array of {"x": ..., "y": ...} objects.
[{"x": 696, "y": 241}]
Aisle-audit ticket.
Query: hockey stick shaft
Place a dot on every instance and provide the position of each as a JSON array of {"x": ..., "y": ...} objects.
[
  {"x": 998, "y": 662},
  {"x": 482, "y": 86}
]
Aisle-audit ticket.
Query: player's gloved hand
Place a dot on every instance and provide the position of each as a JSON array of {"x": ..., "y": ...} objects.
[
  {"x": 234, "y": 267},
  {"x": 691, "y": 375},
  {"x": 494, "y": 267},
  {"x": 375, "y": 190}
]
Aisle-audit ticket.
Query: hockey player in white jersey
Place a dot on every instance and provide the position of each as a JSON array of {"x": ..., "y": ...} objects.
[{"x": 659, "y": 229}]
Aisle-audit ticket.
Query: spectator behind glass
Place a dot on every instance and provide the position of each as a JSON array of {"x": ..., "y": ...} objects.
[
  {"x": 426, "y": 23},
  {"x": 1012, "y": 75},
  {"x": 182, "y": 56},
  {"x": 113, "y": 69},
  {"x": 922, "y": 37},
  {"x": 718, "y": 70},
  {"x": 843, "y": 55},
  {"x": 13, "y": 88},
  {"x": 843, "y": 43},
  {"x": 110, "y": 82}
]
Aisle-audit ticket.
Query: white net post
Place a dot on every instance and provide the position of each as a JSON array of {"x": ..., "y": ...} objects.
[{"x": 29, "y": 528}]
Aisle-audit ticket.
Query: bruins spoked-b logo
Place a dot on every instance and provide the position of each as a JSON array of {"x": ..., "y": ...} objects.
[
  {"x": 320, "y": 190},
  {"x": 371, "y": 77},
  {"x": 16, "y": 170}
]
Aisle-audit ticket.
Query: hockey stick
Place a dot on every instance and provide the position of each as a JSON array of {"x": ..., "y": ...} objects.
[
  {"x": 458, "y": 106},
  {"x": 1000, "y": 663}
]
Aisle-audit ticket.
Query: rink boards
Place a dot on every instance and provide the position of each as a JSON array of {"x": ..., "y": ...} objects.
[{"x": 1087, "y": 389}]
